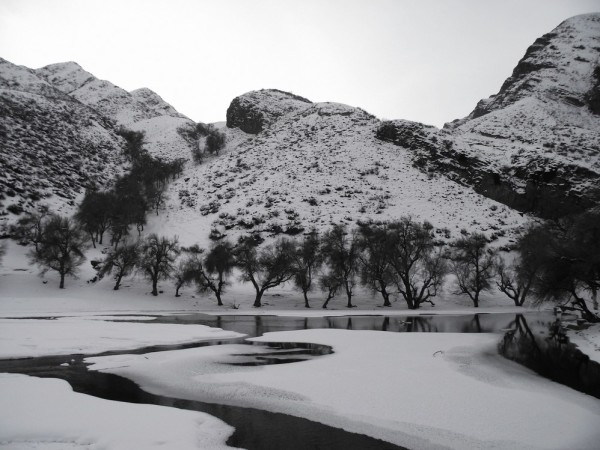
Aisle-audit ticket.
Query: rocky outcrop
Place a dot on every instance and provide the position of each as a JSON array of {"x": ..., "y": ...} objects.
[
  {"x": 535, "y": 145},
  {"x": 593, "y": 95},
  {"x": 543, "y": 188},
  {"x": 254, "y": 111}
]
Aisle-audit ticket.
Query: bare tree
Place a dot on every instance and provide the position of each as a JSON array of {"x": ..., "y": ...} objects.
[
  {"x": 270, "y": 267},
  {"x": 375, "y": 259},
  {"x": 517, "y": 280},
  {"x": 60, "y": 247},
  {"x": 158, "y": 255},
  {"x": 95, "y": 214},
  {"x": 29, "y": 229},
  {"x": 218, "y": 265},
  {"x": 2, "y": 252},
  {"x": 419, "y": 268},
  {"x": 209, "y": 271},
  {"x": 120, "y": 261},
  {"x": 473, "y": 265},
  {"x": 341, "y": 252},
  {"x": 331, "y": 284},
  {"x": 570, "y": 273},
  {"x": 306, "y": 261},
  {"x": 186, "y": 272}
]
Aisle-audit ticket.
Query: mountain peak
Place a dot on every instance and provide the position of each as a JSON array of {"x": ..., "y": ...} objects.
[
  {"x": 558, "y": 66},
  {"x": 155, "y": 102},
  {"x": 65, "y": 76}
]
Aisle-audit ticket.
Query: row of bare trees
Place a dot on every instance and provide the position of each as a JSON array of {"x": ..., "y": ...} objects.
[{"x": 557, "y": 262}]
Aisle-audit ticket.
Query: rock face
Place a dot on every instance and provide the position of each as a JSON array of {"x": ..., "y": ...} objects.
[
  {"x": 535, "y": 145},
  {"x": 254, "y": 111}
]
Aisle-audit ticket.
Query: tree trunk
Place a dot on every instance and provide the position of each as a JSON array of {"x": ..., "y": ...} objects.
[
  {"x": 118, "y": 283},
  {"x": 386, "y": 298},
  {"x": 476, "y": 300},
  {"x": 306, "y": 304},
  {"x": 329, "y": 297},
  {"x": 62, "y": 281},
  {"x": 586, "y": 313},
  {"x": 409, "y": 301},
  {"x": 154, "y": 286},
  {"x": 349, "y": 295},
  {"x": 218, "y": 295},
  {"x": 257, "y": 303}
]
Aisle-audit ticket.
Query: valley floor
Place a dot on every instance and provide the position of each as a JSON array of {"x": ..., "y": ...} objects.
[{"x": 419, "y": 390}]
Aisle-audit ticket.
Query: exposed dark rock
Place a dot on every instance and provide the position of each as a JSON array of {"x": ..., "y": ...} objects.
[
  {"x": 593, "y": 96},
  {"x": 541, "y": 188},
  {"x": 245, "y": 116},
  {"x": 254, "y": 111}
]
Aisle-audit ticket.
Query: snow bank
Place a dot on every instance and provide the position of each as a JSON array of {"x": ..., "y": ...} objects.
[
  {"x": 46, "y": 414},
  {"x": 417, "y": 390},
  {"x": 21, "y": 338},
  {"x": 588, "y": 340}
]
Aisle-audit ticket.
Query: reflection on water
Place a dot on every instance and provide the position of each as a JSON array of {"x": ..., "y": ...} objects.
[
  {"x": 545, "y": 348},
  {"x": 271, "y": 353},
  {"x": 259, "y": 325},
  {"x": 535, "y": 340}
]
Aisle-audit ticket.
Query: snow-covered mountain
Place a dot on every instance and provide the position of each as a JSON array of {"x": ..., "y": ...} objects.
[
  {"x": 52, "y": 145},
  {"x": 302, "y": 164},
  {"x": 59, "y": 134},
  {"x": 535, "y": 145},
  {"x": 290, "y": 164},
  {"x": 139, "y": 110}
]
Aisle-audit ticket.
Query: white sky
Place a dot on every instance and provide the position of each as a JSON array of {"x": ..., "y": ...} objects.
[{"x": 428, "y": 60}]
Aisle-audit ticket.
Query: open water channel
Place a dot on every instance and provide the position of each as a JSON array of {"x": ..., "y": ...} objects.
[{"x": 536, "y": 340}]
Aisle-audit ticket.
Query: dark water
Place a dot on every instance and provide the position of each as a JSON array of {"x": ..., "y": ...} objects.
[
  {"x": 254, "y": 428},
  {"x": 544, "y": 348},
  {"x": 259, "y": 325},
  {"x": 535, "y": 340}
]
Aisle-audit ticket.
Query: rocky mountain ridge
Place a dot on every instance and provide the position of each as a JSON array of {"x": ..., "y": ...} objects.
[
  {"x": 59, "y": 130},
  {"x": 53, "y": 146},
  {"x": 290, "y": 164},
  {"x": 535, "y": 145},
  {"x": 312, "y": 165},
  {"x": 139, "y": 110}
]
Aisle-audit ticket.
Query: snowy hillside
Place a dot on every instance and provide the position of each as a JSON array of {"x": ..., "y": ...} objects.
[
  {"x": 536, "y": 144},
  {"x": 139, "y": 110},
  {"x": 53, "y": 146},
  {"x": 317, "y": 164}
]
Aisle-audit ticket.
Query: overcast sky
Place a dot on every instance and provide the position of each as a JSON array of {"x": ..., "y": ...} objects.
[{"x": 423, "y": 60}]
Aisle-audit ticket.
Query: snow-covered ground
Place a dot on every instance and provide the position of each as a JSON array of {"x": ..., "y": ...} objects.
[
  {"x": 588, "y": 340},
  {"x": 24, "y": 294},
  {"x": 419, "y": 390},
  {"x": 414, "y": 389},
  {"x": 46, "y": 414},
  {"x": 22, "y": 338}
]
